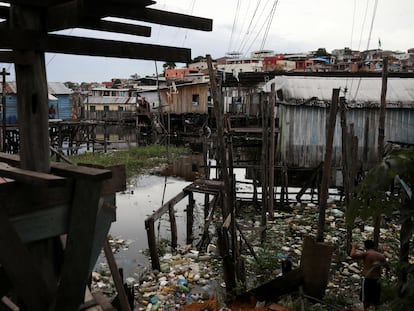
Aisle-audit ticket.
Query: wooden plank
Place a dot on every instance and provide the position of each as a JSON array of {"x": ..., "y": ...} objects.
[
  {"x": 28, "y": 282},
  {"x": 78, "y": 253},
  {"x": 116, "y": 183},
  {"x": 53, "y": 43},
  {"x": 78, "y": 171},
  {"x": 73, "y": 15},
  {"x": 135, "y": 12},
  {"x": 117, "y": 27},
  {"x": 116, "y": 277},
  {"x": 30, "y": 177},
  {"x": 106, "y": 215},
  {"x": 163, "y": 209},
  {"x": 38, "y": 3},
  {"x": 12, "y": 159},
  {"x": 41, "y": 224},
  {"x": 7, "y": 57}
]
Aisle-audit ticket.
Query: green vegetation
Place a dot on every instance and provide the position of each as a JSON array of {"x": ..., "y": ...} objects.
[{"x": 137, "y": 159}]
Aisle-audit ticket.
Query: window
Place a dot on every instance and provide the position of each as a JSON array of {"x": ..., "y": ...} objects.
[
  {"x": 120, "y": 108},
  {"x": 196, "y": 99},
  {"x": 92, "y": 108},
  {"x": 106, "y": 108}
]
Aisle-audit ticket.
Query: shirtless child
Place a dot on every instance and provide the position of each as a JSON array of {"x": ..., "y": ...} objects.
[{"x": 373, "y": 262}]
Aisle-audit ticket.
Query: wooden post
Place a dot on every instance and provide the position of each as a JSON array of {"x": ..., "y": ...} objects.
[
  {"x": 381, "y": 135},
  {"x": 32, "y": 105},
  {"x": 345, "y": 167},
  {"x": 152, "y": 243},
  {"x": 264, "y": 163},
  {"x": 220, "y": 137},
  {"x": 227, "y": 197},
  {"x": 323, "y": 195},
  {"x": 366, "y": 144},
  {"x": 190, "y": 218},
  {"x": 3, "y": 105},
  {"x": 105, "y": 140},
  {"x": 173, "y": 226},
  {"x": 272, "y": 152},
  {"x": 33, "y": 109}
]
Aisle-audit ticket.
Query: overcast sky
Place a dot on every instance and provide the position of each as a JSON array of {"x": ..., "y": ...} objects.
[{"x": 284, "y": 26}]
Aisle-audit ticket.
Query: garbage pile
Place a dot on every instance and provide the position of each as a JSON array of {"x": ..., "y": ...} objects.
[{"x": 188, "y": 276}]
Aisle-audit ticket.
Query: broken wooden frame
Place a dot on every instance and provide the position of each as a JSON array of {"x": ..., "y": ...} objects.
[
  {"x": 209, "y": 187},
  {"x": 73, "y": 201}
]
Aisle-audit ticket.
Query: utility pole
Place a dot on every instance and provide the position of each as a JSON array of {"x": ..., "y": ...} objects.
[{"x": 3, "y": 104}]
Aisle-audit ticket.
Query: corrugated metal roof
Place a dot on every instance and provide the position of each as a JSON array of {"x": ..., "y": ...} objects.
[
  {"x": 110, "y": 100},
  {"x": 55, "y": 88},
  {"x": 359, "y": 91},
  {"x": 58, "y": 88}
]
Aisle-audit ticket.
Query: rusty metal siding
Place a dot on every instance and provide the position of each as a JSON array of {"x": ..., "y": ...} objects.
[{"x": 302, "y": 137}]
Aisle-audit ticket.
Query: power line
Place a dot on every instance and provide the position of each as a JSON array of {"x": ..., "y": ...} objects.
[
  {"x": 272, "y": 15},
  {"x": 248, "y": 31},
  {"x": 236, "y": 16}
]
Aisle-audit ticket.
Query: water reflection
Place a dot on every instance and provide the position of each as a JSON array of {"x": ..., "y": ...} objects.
[{"x": 143, "y": 196}]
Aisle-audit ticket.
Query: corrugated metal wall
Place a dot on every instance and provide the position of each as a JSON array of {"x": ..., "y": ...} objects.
[{"x": 303, "y": 133}]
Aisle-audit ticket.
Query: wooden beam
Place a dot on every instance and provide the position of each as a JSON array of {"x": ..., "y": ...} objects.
[
  {"x": 30, "y": 177},
  {"x": 124, "y": 28},
  {"x": 155, "y": 16},
  {"x": 74, "y": 15},
  {"x": 38, "y": 3},
  {"x": 28, "y": 40},
  {"x": 78, "y": 171},
  {"x": 7, "y": 57}
]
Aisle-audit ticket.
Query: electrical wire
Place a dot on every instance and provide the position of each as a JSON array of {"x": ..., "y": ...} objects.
[
  {"x": 243, "y": 41},
  {"x": 191, "y": 13},
  {"x": 272, "y": 15},
  {"x": 236, "y": 16},
  {"x": 267, "y": 22},
  {"x": 369, "y": 39}
]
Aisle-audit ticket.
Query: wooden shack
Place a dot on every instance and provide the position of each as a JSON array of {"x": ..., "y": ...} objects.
[
  {"x": 51, "y": 271},
  {"x": 185, "y": 98},
  {"x": 302, "y": 110}
]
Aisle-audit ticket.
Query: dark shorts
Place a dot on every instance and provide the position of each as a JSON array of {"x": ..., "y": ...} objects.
[{"x": 370, "y": 291}]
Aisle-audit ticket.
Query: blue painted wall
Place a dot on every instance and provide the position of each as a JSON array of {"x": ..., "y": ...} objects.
[{"x": 62, "y": 106}]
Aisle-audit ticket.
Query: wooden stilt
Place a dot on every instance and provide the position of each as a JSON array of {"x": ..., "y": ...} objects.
[{"x": 190, "y": 218}]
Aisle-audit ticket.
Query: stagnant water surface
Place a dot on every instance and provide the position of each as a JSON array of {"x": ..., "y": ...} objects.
[{"x": 144, "y": 195}]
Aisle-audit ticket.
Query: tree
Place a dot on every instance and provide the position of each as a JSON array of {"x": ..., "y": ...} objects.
[
  {"x": 322, "y": 52},
  {"x": 72, "y": 85},
  {"x": 198, "y": 59},
  {"x": 169, "y": 65}
]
